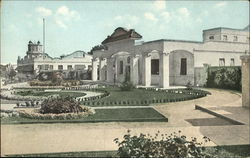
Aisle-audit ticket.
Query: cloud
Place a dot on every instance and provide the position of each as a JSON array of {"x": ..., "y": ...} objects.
[
  {"x": 65, "y": 16},
  {"x": 220, "y": 4},
  {"x": 159, "y": 4},
  {"x": 150, "y": 16},
  {"x": 60, "y": 23},
  {"x": 129, "y": 21},
  {"x": 43, "y": 11},
  {"x": 184, "y": 12},
  {"x": 166, "y": 16}
]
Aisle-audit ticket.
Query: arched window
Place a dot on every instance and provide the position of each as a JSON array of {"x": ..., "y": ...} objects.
[{"x": 128, "y": 60}]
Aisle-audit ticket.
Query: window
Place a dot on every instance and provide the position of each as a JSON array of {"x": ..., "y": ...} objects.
[
  {"x": 46, "y": 67},
  {"x": 128, "y": 60},
  {"x": 51, "y": 67},
  {"x": 211, "y": 37},
  {"x": 39, "y": 67},
  {"x": 121, "y": 67},
  {"x": 235, "y": 38},
  {"x": 183, "y": 66},
  {"x": 248, "y": 39},
  {"x": 155, "y": 66},
  {"x": 60, "y": 67},
  {"x": 80, "y": 67},
  {"x": 224, "y": 37},
  {"x": 232, "y": 62},
  {"x": 221, "y": 62},
  {"x": 70, "y": 67}
]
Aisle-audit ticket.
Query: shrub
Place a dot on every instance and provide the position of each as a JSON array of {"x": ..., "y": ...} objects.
[
  {"x": 61, "y": 105},
  {"x": 127, "y": 85},
  {"x": 34, "y": 114},
  {"x": 161, "y": 145}
]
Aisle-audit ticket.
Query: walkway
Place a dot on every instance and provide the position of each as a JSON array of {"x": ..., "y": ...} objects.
[{"x": 44, "y": 138}]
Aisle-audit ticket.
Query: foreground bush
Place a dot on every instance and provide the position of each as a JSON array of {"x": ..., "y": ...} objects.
[
  {"x": 61, "y": 105},
  {"x": 161, "y": 145}
]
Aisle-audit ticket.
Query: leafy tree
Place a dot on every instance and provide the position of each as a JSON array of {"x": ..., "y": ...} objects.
[
  {"x": 97, "y": 47},
  {"x": 11, "y": 73}
]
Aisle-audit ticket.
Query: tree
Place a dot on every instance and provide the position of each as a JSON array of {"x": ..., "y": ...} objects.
[
  {"x": 97, "y": 47},
  {"x": 11, "y": 74}
]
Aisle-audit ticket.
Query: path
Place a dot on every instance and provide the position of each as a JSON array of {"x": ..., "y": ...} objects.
[{"x": 44, "y": 138}]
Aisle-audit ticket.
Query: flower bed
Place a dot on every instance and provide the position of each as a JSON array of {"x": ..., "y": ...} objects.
[{"x": 34, "y": 114}]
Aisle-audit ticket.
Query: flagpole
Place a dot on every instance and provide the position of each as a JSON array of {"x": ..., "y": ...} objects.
[{"x": 43, "y": 37}]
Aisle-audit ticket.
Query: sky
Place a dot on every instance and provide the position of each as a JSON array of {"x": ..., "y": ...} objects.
[{"x": 80, "y": 25}]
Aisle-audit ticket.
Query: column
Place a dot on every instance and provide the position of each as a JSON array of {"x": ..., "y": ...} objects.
[
  {"x": 134, "y": 70},
  {"x": 110, "y": 71},
  {"x": 94, "y": 69},
  {"x": 164, "y": 70},
  {"x": 245, "y": 80},
  {"x": 102, "y": 64},
  {"x": 146, "y": 79}
]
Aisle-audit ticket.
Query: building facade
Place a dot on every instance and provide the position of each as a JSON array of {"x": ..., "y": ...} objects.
[
  {"x": 36, "y": 61},
  {"x": 167, "y": 62}
]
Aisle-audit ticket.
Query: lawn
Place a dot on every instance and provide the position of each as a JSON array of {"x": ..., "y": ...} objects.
[
  {"x": 146, "y": 114},
  {"x": 137, "y": 97},
  {"x": 236, "y": 151},
  {"x": 46, "y": 94}
]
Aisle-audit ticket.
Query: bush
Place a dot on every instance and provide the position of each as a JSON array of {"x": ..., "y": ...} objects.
[
  {"x": 34, "y": 114},
  {"x": 171, "y": 146},
  {"x": 224, "y": 77},
  {"x": 127, "y": 85},
  {"x": 60, "y": 105}
]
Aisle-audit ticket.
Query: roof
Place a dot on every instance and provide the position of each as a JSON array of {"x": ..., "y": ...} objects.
[
  {"x": 75, "y": 54},
  {"x": 121, "y": 33},
  {"x": 226, "y": 28},
  {"x": 172, "y": 40}
]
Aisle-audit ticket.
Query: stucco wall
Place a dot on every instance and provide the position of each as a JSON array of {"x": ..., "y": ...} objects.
[
  {"x": 175, "y": 65},
  {"x": 245, "y": 81}
]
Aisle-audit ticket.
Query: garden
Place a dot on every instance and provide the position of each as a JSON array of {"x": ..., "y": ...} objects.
[{"x": 114, "y": 96}]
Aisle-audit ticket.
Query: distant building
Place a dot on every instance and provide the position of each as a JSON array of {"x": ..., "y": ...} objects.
[
  {"x": 167, "y": 62},
  {"x": 35, "y": 62}
]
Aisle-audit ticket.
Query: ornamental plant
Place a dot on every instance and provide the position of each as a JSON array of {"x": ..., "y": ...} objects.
[
  {"x": 174, "y": 145},
  {"x": 127, "y": 85},
  {"x": 60, "y": 105}
]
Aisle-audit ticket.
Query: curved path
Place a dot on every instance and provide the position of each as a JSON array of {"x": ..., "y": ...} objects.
[{"x": 45, "y": 138}]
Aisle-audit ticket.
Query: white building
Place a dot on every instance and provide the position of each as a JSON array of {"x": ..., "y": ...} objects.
[
  {"x": 35, "y": 61},
  {"x": 167, "y": 62}
]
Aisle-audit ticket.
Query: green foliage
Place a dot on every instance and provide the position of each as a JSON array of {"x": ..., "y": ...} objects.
[
  {"x": 60, "y": 105},
  {"x": 127, "y": 85},
  {"x": 161, "y": 145},
  {"x": 97, "y": 47},
  {"x": 57, "y": 78},
  {"x": 224, "y": 77}
]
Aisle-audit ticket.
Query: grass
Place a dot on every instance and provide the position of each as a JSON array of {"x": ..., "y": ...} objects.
[
  {"x": 136, "y": 95},
  {"x": 232, "y": 151},
  {"x": 46, "y": 94},
  {"x": 146, "y": 114}
]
